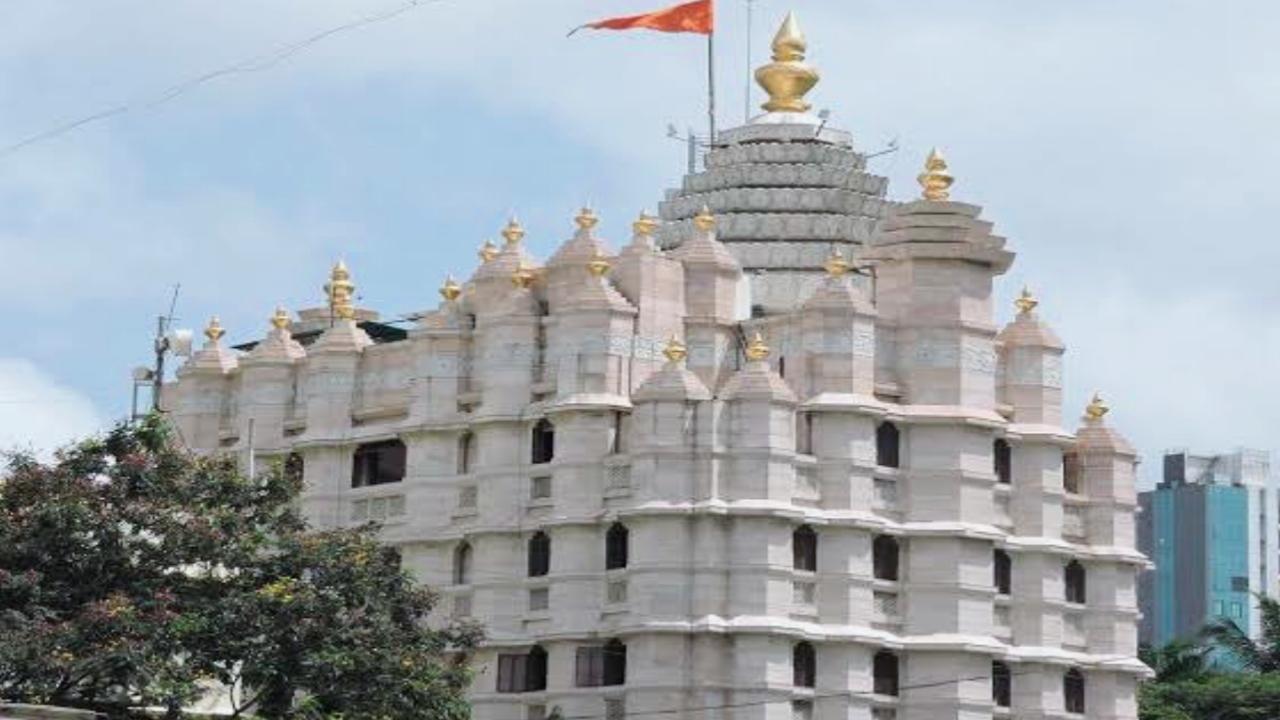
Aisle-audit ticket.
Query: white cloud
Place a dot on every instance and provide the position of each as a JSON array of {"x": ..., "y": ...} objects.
[{"x": 39, "y": 413}]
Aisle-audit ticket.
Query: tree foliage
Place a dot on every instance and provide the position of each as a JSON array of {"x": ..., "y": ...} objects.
[
  {"x": 135, "y": 575},
  {"x": 1244, "y": 686}
]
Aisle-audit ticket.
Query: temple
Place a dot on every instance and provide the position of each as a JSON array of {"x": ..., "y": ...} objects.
[{"x": 772, "y": 457}]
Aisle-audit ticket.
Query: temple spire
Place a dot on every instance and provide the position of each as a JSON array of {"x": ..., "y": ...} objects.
[{"x": 788, "y": 78}]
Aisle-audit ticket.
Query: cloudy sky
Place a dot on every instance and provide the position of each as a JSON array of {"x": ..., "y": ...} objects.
[{"x": 1128, "y": 150}]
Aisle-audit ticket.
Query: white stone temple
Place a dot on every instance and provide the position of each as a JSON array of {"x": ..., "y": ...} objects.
[{"x": 773, "y": 458}]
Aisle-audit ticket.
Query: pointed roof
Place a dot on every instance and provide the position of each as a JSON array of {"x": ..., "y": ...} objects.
[
  {"x": 213, "y": 356},
  {"x": 674, "y": 381},
  {"x": 703, "y": 248},
  {"x": 1095, "y": 435},
  {"x": 278, "y": 344},
  {"x": 583, "y": 246},
  {"x": 757, "y": 380},
  {"x": 1027, "y": 329}
]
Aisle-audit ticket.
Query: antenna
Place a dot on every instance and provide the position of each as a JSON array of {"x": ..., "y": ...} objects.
[
  {"x": 162, "y": 345},
  {"x": 692, "y": 142},
  {"x": 890, "y": 147}
]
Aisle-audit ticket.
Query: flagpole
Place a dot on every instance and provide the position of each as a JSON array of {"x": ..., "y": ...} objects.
[{"x": 711, "y": 87}]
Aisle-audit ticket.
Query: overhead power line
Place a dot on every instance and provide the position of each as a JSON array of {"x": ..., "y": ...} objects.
[{"x": 257, "y": 63}]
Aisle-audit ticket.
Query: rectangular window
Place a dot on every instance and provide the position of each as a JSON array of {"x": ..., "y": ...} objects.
[
  {"x": 1218, "y": 608},
  {"x": 540, "y": 489},
  {"x": 513, "y": 673},
  {"x": 1239, "y": 584},
  {"x": 1237, "y": 610},
  {"x": 589, "y": 667},
  {"x": 539, "y": 599},
  {"x": 378, "y": 463}
]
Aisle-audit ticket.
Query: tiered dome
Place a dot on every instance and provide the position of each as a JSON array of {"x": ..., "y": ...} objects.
[{"x": 785, "y": 188}]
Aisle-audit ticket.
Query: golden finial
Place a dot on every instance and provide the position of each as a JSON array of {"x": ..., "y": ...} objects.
[
  {"x": 488, "y": 251},
  {"x": 280, "y": 320},
  {"x": 704, "y": 221},
  {"x": 935, "y": 179},
  {"x": 586, "y": 219},
  {"x": 1026, "y": 302},
  {"x": 788, "y": 77},
  {"x": 214, "y": 330},
  {"x": 340, "y": 290},
  {"x": 757, "y": 349},
  {"x": 836, "y": 265},
  {"x": 450, "y": 290},
  {"x": 598, "y": 265},
  {"x": 645, "y": 225},
  {"x": 522, "y": 277},
  {"x": 675, "y": 350},
  {"x": 1097, "y": 408},
  {"x": 513, "y": 232}
]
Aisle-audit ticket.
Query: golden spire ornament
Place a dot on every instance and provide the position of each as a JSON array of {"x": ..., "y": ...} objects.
[
  {"x": 214, "y": 330},
  {"x": 757, "y": 349},
  {"x": 1097, "y": 408},
  {"x": 788, "y": 78},
  {"x": 280, "y": 320},
  {"x": 935, "y": 180},
  {"x": 488, "y": 251},
  {"x": 586, "y": 219},
  {"x": 598, "y": 265},
  {"x": 645, "y": 225},
  {"x": 675, "y": 350},
  {"x": 340, "y": 289},
  {"x": 513, "y": 232},
  {"x": 836, "y": 265},
  {"x": 450, "y": 290},
  {"x": 704, "y": 221},
  {"x": 1026, "y": 302}
]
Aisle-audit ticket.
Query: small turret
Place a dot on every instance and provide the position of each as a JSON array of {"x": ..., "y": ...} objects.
[{"x": 1031, "y": 363}]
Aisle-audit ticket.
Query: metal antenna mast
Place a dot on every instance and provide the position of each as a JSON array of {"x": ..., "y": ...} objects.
[{"x": 163, "y": 324}]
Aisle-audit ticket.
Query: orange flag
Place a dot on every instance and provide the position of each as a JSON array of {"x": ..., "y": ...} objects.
[{"x": 692, "y": 17}]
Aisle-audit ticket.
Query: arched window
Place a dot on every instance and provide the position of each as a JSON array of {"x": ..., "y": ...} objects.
[
  {"x": 1073, "y": 581},
  {"x": 804, "y": 549},
  {"x": 887, "y": 445},
  {"x": 804, "y": 665},
  {"x": 615, "y": 663},
  {"x": 1001, "y": 684},
  {"x": 1003, "y": 566},
  {"x": 616, "y": 542},
  {"x": 293, "y": 467},
  {"x": 1073, "y": 691},
  {"x": 884, "y": 557},
  {"x": 378, "y": 463},
  {"x": 537, "y": 672},
  {"x": 543, "y": 442},
  {"x": 539, "y": 554},
  {"x": 885, "y": 670},
  {"x": 462, "y": 564},
  {"x": 466, "y": 453},
  {"x": 1002, "y": 457}
]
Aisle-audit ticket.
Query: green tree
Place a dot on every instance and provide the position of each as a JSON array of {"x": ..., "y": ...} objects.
[
  {"x": 1261, "y": 655},
  {"x": 135, "y": 575},
  {"x": 1215, "y": 697},
  {"x": 1177, "y": 661}
]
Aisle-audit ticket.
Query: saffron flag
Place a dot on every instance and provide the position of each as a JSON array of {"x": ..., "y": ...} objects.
[{"x": 692, "y": 17}]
